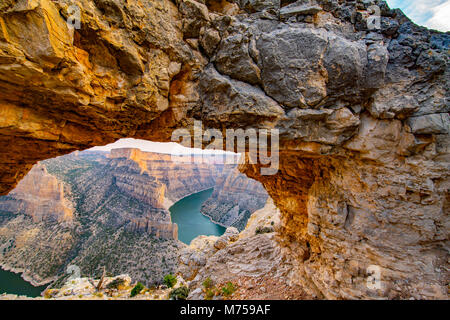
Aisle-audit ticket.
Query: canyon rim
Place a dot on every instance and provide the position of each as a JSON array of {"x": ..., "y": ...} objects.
[{"x": 362, "y": 115}]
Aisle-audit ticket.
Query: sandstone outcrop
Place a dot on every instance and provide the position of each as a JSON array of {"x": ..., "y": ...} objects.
[
  {"x": 362, "y": 114},
  {"x": 180, "y": 175}
]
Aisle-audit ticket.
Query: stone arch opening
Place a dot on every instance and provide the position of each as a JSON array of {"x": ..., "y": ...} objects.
[{"x": 362, "y": 114}]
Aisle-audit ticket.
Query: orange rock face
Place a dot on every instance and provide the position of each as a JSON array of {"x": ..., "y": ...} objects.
[{"x": 180, "y": 175}]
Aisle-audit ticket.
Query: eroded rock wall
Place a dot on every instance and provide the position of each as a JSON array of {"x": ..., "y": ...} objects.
[
  {"x": 40, "y": 196},
  {"x": 234, "y": 199},
  {"x": 181, "y": 175}
]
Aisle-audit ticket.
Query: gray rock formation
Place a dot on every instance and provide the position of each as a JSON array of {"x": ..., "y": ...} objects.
[{"x": 234, "y": 199}]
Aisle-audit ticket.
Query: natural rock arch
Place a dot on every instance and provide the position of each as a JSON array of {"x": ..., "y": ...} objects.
[{"x": 362, "y": 114}]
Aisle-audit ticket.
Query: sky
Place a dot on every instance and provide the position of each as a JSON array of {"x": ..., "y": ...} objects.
[
  {"x": 433, "y": 14},
  {"x": 160, "y": 147}
]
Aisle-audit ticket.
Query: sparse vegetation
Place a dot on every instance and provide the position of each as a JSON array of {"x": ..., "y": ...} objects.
[
  {"x": 228, "y": 289},
  {"x": 180, "y": 293},
  {"x": 116, "y": 283},
  {"x": 137, "y": 289},
  {"x": 210, "y": 290},
  {"x": 210, "y": 293},
  {"x": 170, "y": 280},
  {"x": 207, "y": 283},
  {"x": 261, "y": 230}
]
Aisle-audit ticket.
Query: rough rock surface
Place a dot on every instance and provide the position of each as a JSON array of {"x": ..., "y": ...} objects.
[
  {"x": 234, "y": 199},
  {"x": 249, "y": 257},
  {"x": 40, "y": 196},
  {"x": 362, "y": 114},
  {"x": 181, "y": 175},
  {"x": 112, "y": 288}
]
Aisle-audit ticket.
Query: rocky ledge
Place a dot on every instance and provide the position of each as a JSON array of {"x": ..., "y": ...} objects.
[{"x": 111, "y": 288}]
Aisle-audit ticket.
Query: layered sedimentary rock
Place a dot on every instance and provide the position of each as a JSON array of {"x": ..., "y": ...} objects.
[
  {"x": 106, "y": 208},
  {"x": 234, "y": 199},
  {"x": 181, "y": 175},
  {"x": 117, "y": 215},
  {"x": 40, "y": 196},
  {"x": 37, "y": 227},
  {"x": 165, "y": 230},
  {"x": 115, "y": 192},
  {"x": 362, "y": 112}
]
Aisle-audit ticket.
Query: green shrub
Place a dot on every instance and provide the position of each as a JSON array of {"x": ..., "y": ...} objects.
[
  {"x": 207, "y": 283},
  {"x": 137, "y": 289},
  {"x": 261, "y": 230},
  {"x": 180, "y": 293},
  {"x": 228, "y": 289},
  {"x": 209, "y": 294},
  {"x": 170, "y": 280}
]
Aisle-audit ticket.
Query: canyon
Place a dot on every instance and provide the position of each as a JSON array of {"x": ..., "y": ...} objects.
[
  {"x": 97, "y": 209},
  {"x": 234, "y": 199},
  {"x": 362, "y": 113}
]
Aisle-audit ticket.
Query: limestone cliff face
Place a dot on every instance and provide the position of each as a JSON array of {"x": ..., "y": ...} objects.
[
  {"x": 39, "y": 195},
  {"x": 129, "y": 178},
  {"x": 181, "y": 175},
  {"x": 37, "y": 227},
  {"x": 116, "y": 192},
  {"x": 234, "y": 199},
  {"x": 117, "y": 214},
  {"x": 165, "y": 230},
  {"x": 362, "y": 114}
]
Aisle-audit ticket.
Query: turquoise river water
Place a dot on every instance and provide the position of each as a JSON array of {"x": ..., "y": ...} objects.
[
  {"x": 13, "y": 283},
  {"x": 185, "y": 213},
  {"x": 191, "y": 223}
]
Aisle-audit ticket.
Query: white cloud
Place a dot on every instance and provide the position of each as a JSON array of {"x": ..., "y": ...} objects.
[
  {"x": 434, "y": 14},
  {"x": 159, "y": 147},
  {"x": 441, "y": 18}
]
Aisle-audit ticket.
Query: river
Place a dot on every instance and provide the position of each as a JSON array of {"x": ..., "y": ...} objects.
[
  {"x": 13, "y": 283},
  {"x": 191, "y": 223},
  {"x": 185, "y": 213}
]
